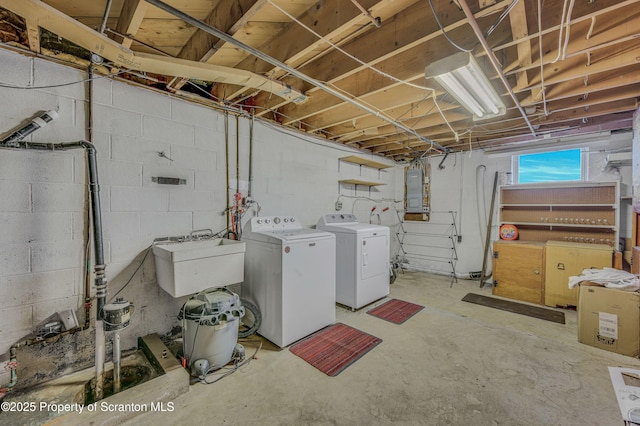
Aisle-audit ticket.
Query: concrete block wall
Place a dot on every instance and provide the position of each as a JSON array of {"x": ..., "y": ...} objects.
[
  {"x": 140, "y": 134},
  {"x": 42, "y": 198}
]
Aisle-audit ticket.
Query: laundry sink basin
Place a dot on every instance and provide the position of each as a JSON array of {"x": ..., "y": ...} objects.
[{"x": 185, "y": 268}]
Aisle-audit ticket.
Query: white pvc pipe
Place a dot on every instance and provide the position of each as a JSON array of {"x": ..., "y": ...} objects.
[
  {"x": 99, "y": 358},
  {"x": 116, "y": 363}
]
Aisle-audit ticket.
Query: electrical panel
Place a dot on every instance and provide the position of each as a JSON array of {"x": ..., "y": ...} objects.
[{"x": 415, "y": 191}]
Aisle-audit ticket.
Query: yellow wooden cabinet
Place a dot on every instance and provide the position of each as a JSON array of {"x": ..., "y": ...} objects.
[
  {"x": 518, "y": 270},
  {"x": 565, "y": 259}
]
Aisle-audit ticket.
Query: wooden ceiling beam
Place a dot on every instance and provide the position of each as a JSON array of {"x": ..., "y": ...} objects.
[
  {"x": 580, "y": 67},
  {"x": 394, "y": 53},
  {"x": 617, "y": 121},
  {"x": 404, "y": 114},
  {"x": 582, "y": 12},
  {"x": 609, "y": 39},
  {"x": 519, "y": 30},
  {"x": 574, "y": 113},
  {"x": 334, "y": 20},
  {"x": 131, "y": 16},
  {"x": 383, "y": 100},
  {"x": 616, "y": 118},
  {"x": 33, "y": 35},
  {"x": 228, "y": 16},
  {"x": 423, "y": 126},
  {"x": 596, "y": 82},
  {"x": 408, "y": 66},
  {"x": 418, "y": 30},
  {"x": 64, "y": 26},
  {"x": 330, "y": 19}
]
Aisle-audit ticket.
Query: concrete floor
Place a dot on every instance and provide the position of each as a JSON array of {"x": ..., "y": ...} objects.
[{"x": 453, "y": 363}]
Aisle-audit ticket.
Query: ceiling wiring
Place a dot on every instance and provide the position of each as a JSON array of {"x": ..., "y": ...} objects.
[
  {"x": 503, "y": 15},
  {"x": 445, "y": 118},
  {"x": 542, "y": 88},
  {"x": 240, "y": 111},
  {"x": 363, "y": 79},
  {"x": 568, "y": 30},
  {"x": 51, "y": 86},
  {"x": 369, "y": 66},
  {"x": 277, "y": 63},
  {"x": 349, "y": 55},
  {"x": 444, "y": 33}
]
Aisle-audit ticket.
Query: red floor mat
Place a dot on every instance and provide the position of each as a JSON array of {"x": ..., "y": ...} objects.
[
  {"x": 334, "y": 348},
  {"x": 396, "y": 311}
]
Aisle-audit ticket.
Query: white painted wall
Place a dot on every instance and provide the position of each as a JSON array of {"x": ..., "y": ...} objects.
[{"x": 43, "y": 194}]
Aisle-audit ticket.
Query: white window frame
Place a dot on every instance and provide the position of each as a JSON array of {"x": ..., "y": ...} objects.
[{"x": 584, "y": 163}]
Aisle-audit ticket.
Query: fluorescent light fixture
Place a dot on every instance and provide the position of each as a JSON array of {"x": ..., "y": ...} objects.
[{"x": 461, "y": 76}]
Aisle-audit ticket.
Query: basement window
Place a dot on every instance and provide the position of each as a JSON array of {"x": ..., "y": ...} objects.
[{"x": 551, "y": 166}]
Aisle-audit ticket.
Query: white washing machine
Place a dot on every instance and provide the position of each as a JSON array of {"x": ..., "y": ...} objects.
[
  {"x": 362, "y": 262},
  {"x": 290, "y": 273}
]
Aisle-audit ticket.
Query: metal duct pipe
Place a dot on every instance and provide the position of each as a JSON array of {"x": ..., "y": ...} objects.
[
  {"x": 116, "y": 363},
  {"x": 12, "y": 141},
  {"x": 14, "y": 371},
  {"x": 255, "y": 52},
  {"x": 107, "y": 9},
  {"x": 253, "y": 116},
  {"x": 494, "y": 61},
  {"x": 94, "y": 189}
]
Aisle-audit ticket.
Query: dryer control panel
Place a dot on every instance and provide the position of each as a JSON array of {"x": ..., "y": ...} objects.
[
  {"x": 340, "y": 218},
  {"x": 272, "y": 223}
]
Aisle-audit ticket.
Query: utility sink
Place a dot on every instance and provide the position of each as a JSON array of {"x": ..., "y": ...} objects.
[{"x": 185, "y": 268}]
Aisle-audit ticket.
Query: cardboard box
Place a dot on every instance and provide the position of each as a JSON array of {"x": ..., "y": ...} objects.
[
  {"x": 609, "y": 319},
  {"x": 617, "y": 259},
  {"x": 635, "y": 260}
]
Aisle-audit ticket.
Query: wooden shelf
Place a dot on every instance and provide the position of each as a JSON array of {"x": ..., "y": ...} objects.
[
  {"x": 549, "y": 211},
  {"x": 360, "y": 182},
  {"x": 558, "y": 205},
  {"x": 564, "y": 225},
  {"x": 365, "y": 162}
]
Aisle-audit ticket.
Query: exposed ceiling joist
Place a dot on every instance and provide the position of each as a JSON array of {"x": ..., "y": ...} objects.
[
  {"x": 51, "y": 19},
  {"x": 377, "y": 63}
]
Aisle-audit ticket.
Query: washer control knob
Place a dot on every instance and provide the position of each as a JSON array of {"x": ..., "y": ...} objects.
[
  {"x": 276, "y": 220},
  {"x": 259, "y": 221},
  {"x": 286, "y": 219},
  {"x": 267, "y": 221},
  {"x": 293, "y": 219}
]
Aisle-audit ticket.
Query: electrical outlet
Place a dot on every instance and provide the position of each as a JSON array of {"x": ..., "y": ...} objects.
[{"x": 338, "y": 206}]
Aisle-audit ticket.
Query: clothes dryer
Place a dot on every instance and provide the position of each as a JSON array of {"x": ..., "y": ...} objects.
[{"x": 362, "y": 259}]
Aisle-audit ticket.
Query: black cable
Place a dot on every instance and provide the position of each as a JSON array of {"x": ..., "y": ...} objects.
[
  {"x": 132, "y": 275},
  {"x": 11, "y": 86},
  {"x": 435, "y": 15},
  {"x": 233, "y": 369}
]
